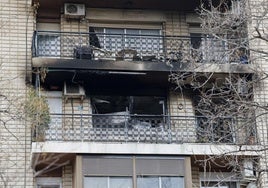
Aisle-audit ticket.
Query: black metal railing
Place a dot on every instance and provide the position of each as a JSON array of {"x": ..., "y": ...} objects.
[
  {"x": 96, "y": 46},
  {"x": 144, "y": 128}
]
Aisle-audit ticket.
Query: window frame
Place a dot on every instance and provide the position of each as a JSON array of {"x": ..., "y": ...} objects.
[
  {"x": 160, "y": 179},
  {"x": 108, "y": 179},
  {"x": 42, "y": 181},
  {"x": 134, "y": 171},
  {"x": 220, "y": 177},
  {"x": 141, "y": 49}
]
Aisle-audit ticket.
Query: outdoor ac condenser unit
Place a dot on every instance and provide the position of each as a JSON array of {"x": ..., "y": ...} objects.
[
  {"x": 73, "y": 91},
  {"x": 72, "y": 10}
]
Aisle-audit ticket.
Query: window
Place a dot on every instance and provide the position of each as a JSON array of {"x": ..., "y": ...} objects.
[
  {"x": 118, "y": 172},
  {"x": 215, "y": 184},
  {"x": 145, "y": 42},
  {"x": 108, "y": 182},
  {"x": 236, "y": 7},
  {"x": 131, "y": 111},
  {"x": 196, "y": 39},
  {"x": 215, "y": 130},
  {"x": 208, "y": 49},
  {"x": 54, "y": 100},
  {"x": 48, "y": 182},
  {"x": 48, "y": 44},
  {"x": 214, "y": 50},
  {"x": 219, "y": 180},
  {"x": 126, "y": 182},
  {"x": 159, "y": 182},
  {"x": 150, "y": 105}
]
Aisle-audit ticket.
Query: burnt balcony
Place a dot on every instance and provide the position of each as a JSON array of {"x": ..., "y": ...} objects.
[
  {"x": 94, "y": 46},
  {"x": 122, "y": 127}
]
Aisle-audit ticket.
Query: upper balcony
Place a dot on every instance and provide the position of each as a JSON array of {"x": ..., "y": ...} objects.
[{"x": 135, "y": 49}]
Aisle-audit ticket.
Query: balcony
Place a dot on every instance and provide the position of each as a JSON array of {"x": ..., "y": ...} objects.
[
  {"x": 122, "y": 127},
  {"x": 94, "y": 46}
]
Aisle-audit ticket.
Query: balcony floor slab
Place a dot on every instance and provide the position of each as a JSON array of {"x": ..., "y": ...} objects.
[
  {"x": 147, "y": 66},
  {"x": 143, "y": 149}
]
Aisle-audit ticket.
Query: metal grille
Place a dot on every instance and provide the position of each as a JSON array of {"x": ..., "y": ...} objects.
[
  {"x": 145, "y": 129},
  {"x": 138, "y": 47}
]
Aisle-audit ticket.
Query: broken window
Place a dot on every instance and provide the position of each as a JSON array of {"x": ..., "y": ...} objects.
[{"x": 134, "y": 111}]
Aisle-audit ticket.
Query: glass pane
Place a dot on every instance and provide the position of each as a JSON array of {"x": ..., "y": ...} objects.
[
  {"x": 147, "y": 182},
  {"x": 151, "y": 45},
  {"x": 195, "y": 40},
  {"x": 114, "y": 39},
  {"x": 150, "y": 32},
  {"x": 133, "y": 39},
  {"x": 114, "y": 31},
  {"x": 120, "y": 182},
  {"x": 172, "y": 182},
  {"x": 95, "y": 182},
  {"x": 48, "y": 45},
  {"x": 215, "y": 184},
  {"x": 96, "y": 30},
  {"x": 132, "y": 31}
]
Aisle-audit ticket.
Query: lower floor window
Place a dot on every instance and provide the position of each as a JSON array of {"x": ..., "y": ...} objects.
[
  {"x": 215, "y": 184},
  {"x": 159, "y": 182},
  {"x": 126, "y": 182},
  {"x": 133, "y": 172},
  {"x": 48, "y": 182},
  {"x": 108, "y": 182}
]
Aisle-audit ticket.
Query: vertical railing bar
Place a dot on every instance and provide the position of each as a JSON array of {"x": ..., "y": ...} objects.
[
  {"x": 123, "y": 36},
  {"x": 35, "y": 45},
  {"x": 126, "y": 124},
  {"x": 81, "y": 127}
]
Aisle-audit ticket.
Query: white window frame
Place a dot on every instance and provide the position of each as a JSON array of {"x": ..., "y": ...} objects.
[{"x": 40, "y": 182}]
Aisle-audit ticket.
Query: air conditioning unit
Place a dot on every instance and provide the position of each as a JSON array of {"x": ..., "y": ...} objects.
[
  {"x": 72, "y": 10},
  {"x": 73, "y": 91}
]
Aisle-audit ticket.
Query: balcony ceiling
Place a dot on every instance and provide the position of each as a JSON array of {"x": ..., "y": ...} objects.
[
  {"x": 51, "y": 9},
  {"x": 104, "y": 82},
  {"x": 185, "y": 5}
]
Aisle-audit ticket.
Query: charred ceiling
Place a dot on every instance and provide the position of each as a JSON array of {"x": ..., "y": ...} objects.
[{"x": 51, "y": 10}]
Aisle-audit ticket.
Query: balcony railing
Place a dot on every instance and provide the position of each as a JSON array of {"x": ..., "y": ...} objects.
[
  {"x": 104, "y": 46},
  {"x": 144, "y": 129}
]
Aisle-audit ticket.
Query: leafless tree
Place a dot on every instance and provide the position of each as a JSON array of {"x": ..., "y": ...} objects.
[{"x": 228, "y": 110}]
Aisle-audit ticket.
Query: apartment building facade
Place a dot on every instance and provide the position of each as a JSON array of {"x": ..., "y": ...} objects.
[{"x": 115, "y": 118}]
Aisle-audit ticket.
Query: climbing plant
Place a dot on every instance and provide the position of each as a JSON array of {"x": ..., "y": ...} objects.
[{"x": 37, "y": 110}]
